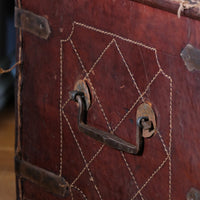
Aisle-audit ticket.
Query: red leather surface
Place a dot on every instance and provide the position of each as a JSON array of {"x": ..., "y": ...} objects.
[{"x": 119, "y": 43}]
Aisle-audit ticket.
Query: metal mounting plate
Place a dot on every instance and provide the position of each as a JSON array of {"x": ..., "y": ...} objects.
[
  {"x": 145, "y": 110},
  {"x": 32, "y": 23},
  {"x": 82, "y": 86}
]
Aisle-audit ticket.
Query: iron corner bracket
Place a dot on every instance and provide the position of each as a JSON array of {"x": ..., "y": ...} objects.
[{"x": 32, "y": 23}]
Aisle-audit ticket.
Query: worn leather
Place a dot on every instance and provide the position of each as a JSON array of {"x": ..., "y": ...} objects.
[{"x": 112, "y": 34}]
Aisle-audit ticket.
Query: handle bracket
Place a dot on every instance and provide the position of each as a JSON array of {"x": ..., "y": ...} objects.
[{"x": 142, "y": 123}]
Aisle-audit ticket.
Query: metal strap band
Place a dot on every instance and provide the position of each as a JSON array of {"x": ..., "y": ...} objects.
[
  {"x": 41, "y": 177},
  {"x": 32, "y": 23}
]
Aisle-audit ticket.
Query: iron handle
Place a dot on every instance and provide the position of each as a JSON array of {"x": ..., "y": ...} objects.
[{"x": 106, "y": 137}]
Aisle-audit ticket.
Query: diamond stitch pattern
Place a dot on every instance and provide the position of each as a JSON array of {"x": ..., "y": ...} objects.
[{"x": 120, "y": 117}]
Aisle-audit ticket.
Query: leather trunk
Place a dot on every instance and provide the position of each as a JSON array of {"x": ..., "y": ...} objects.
[{"x": 127, "y": 53}]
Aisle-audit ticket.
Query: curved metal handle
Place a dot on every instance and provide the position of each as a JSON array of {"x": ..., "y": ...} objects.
[{"x": 106, "y": 137}]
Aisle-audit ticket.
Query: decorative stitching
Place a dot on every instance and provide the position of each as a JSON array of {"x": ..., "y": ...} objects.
[
  {"x": 83, "y": 170},
  {"x": 60, "y": 100},
  {"x": 150, "y": 178},
  {"x": 170, "y": 139},
  {"x": 140, "y": 97},
  {"x": 94, "y": 91},
  {"x": 78, "y": 56},
  {"x": 156, "y": 55},
  {"x": 71, "y": 193},
  {"x": 128, "y": 112},
  {"x": 163, "y": 143},
  {"x": 138, "y": 90},
  {"x": 78, "y": 189},
  {"x": 82, "y": 155},
  {"x": 170, "y": 132},
  {"x": 113, "y": 35},
  {"x": 131, "y": 173},
  {"x": 60, "y": 105},
  {"x": 84, "y": 69},
  {"x": 66, "y": 102},
  {"x": 87, "y": 76},
  {"x": 70, "y": 35},
  {"x": 100, "y": 105},
  {"x": 99, "y": 58}
]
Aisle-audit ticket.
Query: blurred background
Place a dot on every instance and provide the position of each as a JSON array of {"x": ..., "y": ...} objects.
[{"x": 7, "y": 114}]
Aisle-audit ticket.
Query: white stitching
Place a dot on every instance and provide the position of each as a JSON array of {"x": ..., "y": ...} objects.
[
  {"x": 70, "y": 35},
  {"x": 60, "y": 105},
  {"x": 82, "y": 155},
  {"x": 150, "y": 178},
  {"x": 141, "y": 96},
  {"x": 78, "y": 189},
  {"x": 100, "y": 105},
  {"x": 114, "y": 35},
  {"x": 99, "y": 58},
  {"x": 127, "y": 113},
  {"x": 66, "y": 102},
  {"x": 60, "y": 100},
  {"x": 170, "y": 132},
  {"x": 131, "y": 173},
  {"x": 163, "y": 143},
  {"x": 75, "y": 50},
  {"x": 87, "y": 75},
  {"x": 133, "y": 79},
  {"x": 100, "y": 149},
  {"x": 71, "y": 193},
  {"x": 83, "y": 170}
]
